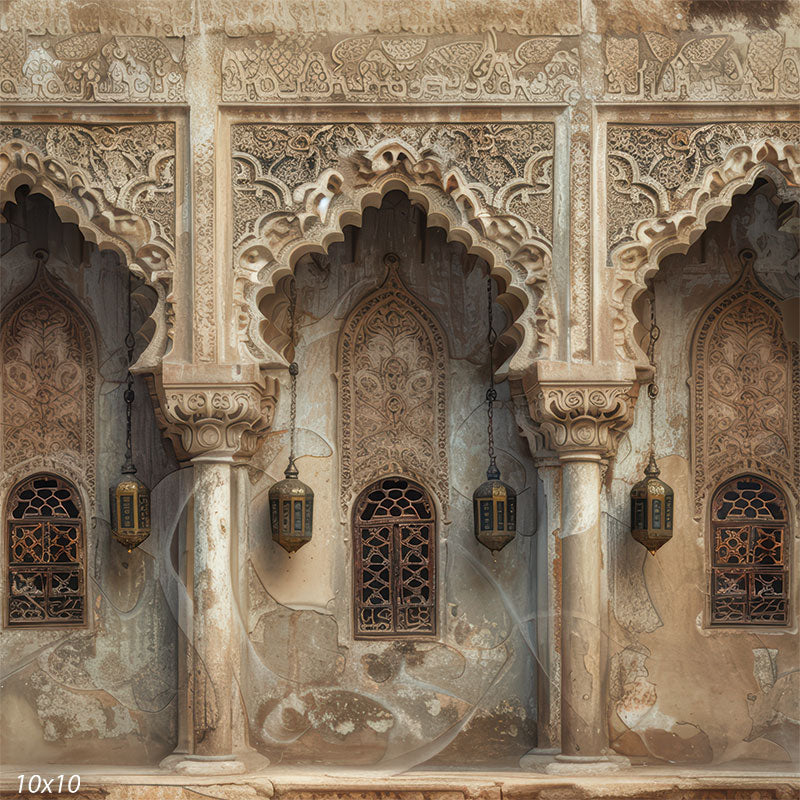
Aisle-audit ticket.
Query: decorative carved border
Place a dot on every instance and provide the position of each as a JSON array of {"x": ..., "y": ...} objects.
[
  {"x": 665, "y": 183},
  {"x": 355, "y": 472},
  {"x": 91, "y": 66},
  {"x": 397, "y": 68},
  {"x": 117, "y": 183},
  {"x": 489, "y": 185},
  {"x": 737, "y": 66},
  {"x": 785, "y": 471}
]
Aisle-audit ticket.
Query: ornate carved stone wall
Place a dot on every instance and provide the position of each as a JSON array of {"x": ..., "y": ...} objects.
[
  {"x": 745, "y": 391},
  {"x": 489, "y": 185},
  {"x": 117, "y": 181},
  {"x": 331, "y": 68},
  {"x": 49, "y": 364},
  {"x": 392, "y": 392}
]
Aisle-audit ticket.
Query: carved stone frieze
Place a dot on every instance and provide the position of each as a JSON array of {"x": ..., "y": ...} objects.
[
  {"x": 91, "y": 67},
  {"x": 682, "y": 65},
  {"x": 666, "y": 182},
  {"x": 213, "y": 416},
  {"x": 489, "y": 185},
  {"x": 489, "y": 67},
  {"x": 392, "y": 392},
  {"x": 745, "y": 391},
  {"x": 117, "y": 183},
  {"x": 581, "y": 410}
]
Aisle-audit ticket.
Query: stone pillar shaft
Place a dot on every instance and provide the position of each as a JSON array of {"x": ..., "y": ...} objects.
[
  {"x": 213, "y": 610},
  {"x": 582, "y": 629}
]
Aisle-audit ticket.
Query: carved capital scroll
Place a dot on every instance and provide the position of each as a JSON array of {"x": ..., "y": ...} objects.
[
  {"x": 582, "y": 410},
  {"x": 214, "y": 416}
]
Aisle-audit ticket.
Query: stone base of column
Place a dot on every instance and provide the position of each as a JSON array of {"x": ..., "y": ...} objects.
[
  {"x": 208, "y": 765},
  {"x": 586, "y": 765}
]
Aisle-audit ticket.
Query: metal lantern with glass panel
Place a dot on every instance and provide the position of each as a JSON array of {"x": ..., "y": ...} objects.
[
  {"x": 652, "y": 500},
  {"x": 494, "y": 503},
  {"x": 130, "y": 498},
  {"x": 291, "y": 502}
]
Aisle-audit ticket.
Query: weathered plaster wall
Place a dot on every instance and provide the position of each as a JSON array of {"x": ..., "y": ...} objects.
[
  {"x": 313, "y": 694},
  {"x": 679, "y": 691},
  {"x": 105, "y": 693}
]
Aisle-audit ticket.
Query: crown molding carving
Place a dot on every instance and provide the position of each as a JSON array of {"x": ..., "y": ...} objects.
[
  {"x": 581, "y": 410},
  {"x": 667, "y": 182},
  {"x": 489, "y": 185}
]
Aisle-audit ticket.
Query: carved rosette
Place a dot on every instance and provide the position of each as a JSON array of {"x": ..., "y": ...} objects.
[
  {"x": 489, "y": 185},
  {"x": 580, "y": 417},
  {"x": 215, "y": 421},
  {"x": 667, "y": 182}
]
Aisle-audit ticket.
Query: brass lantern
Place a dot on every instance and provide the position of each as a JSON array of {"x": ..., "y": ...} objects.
[
  {"x": 651, "y": 509},
  {"x": 130, "y": 499},
  {"x": 494, "y": 503},
  {"x": 291, "y": 502},
  {"x": 652, "y": 500},
  {"x": 291, "y": 510}
]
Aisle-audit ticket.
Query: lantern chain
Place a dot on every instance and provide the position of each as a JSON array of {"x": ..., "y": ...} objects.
[
  {"x": 130, "y": 343},
  {"x": 294, "y": 371},
  {"x": 491, "y": 392}
]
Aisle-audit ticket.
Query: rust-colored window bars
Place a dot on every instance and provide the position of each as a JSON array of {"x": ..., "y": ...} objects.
[
  {"x": 749, "y": 535},
  {"x": 45, "y": 554},
  {"x": 394, "y": 541}
]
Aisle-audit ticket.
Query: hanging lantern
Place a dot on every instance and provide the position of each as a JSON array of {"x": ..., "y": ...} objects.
[
  {"x": 494, "y": 503},
  {"x": 651, "y": 499},
  {"x": 651, "y": 509},
  {"x": 130, "y": 499},
  {"x": 291, "y": 502}
]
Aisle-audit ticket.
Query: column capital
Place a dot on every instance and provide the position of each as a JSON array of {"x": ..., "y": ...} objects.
[
  {"x": 214, "y": 412},
  {"x": 582, "y": 410}
]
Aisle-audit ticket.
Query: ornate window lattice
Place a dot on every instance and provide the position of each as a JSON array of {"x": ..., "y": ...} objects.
[
  {"x": 749, "y": 537},
  {"x": 46, "y": 573},
  {"x": 394, "y": 544}
]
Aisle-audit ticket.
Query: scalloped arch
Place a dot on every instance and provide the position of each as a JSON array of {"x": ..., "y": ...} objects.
[
  {"x": 674, "y": 232},
  {"x": 133, "y": 237},
  {"x": 516, "y": 253}
]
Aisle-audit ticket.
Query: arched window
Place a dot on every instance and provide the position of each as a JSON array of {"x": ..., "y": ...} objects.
[
  {"x": 394, "y": 541},
  {"x": 749, "y": 564},
  {"x": 46, "y": 553}
]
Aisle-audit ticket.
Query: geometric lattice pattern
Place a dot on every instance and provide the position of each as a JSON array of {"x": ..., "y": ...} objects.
[
  {"x": 749, "y": 572},
  {"x": 46, "y": 572},
  {"x": 394, "y": 547}
]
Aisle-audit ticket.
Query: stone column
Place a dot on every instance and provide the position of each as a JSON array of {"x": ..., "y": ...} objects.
[
  {"x": 214, "y": 421},
  {"x": 582, "y": 410}
]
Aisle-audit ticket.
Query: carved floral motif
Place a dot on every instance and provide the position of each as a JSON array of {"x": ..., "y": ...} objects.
[
  {"x": 392, "y": 392},
  {"x": 400, "y": 68},
  {"x": 735, "y": 66},
  {"x": 119, "y": 182},
  {"x": 745, "y": 391},
  {"x": 665, "y": 182},
  {"x": 489, "y": 184},
  {"x": 91, "y": 66},
  {"x": 49, "y": 364}
]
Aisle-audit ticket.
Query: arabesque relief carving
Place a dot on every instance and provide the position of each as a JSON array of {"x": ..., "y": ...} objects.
[
  {"x": 400, "y": 68},
  {"x": 745, "y": 391},
  {"x": 91, "y": 66},
  {"x": 392, "y": 392},
  {"x": 49, "y": 367},
  {"x": 489, "y": 185},
  {"x": 117, "y": 182},
  {"x": 666, "y": 182},
  {"x": 735, "y": 66}
]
